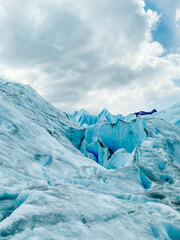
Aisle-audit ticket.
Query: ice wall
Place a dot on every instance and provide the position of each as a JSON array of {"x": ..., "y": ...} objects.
[{"x": 107, "y": 138}]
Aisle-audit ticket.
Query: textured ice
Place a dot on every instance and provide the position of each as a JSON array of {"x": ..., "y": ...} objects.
[
  {"x": 103, "y": 138},
  {"x": 107, "y": 133},
  {"x": 83, "y": 118},
  {"x": 50, "y": 190},
  {"x": 171, "y": 114},
  {"x": 121, "y": 158}
]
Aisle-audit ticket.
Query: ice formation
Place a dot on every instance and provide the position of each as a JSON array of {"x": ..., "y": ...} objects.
[
  {"x": 104, "y": 138},
  {"x": 83, "y": 118},
  {"x": 129, "y": 189}
]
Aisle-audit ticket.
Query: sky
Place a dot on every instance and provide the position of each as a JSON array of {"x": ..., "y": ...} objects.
[{"x": 94, "y": 54}]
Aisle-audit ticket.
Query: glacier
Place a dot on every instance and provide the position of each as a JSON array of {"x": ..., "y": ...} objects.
[
  {"x": 84, "y": 119},
  {"x": 104, "y": 177}
]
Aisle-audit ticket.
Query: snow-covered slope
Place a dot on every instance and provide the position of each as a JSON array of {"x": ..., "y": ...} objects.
[
  {"x": 50, "y": 190},
  {"x": 34, "y": 107}
]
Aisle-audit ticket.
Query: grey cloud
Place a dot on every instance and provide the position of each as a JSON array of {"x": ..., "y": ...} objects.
[
  {"x": 53, "y": 41},
  {"x": 74, "y": 52}
]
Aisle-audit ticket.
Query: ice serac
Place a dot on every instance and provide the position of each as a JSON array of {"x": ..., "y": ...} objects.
[
  {"x": 50, "y": 190},
  {"x": 105, "y": 115},
  {"x": 84, "y": 119}
]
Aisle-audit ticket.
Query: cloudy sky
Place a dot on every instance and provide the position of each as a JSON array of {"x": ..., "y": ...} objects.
[{"x": 119, "y": 54}]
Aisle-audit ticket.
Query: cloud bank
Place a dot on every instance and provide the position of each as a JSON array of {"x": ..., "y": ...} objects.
[{"x": 88, "y": 54}]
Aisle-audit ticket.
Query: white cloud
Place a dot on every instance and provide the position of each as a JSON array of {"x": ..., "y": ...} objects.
[
  {"x": 90, "y": 54},
  {"x": 177, "y": 16},
  {"x": 153, "y": 19}
]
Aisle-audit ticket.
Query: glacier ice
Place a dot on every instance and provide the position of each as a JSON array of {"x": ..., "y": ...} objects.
[
  {"x": 121, "y": 158},
  {"x": 103, "y": 138},
  {"x": 84, "y": 119},
  {"x": 171, "y": 114},
  {"x": 50, "y": 190}
]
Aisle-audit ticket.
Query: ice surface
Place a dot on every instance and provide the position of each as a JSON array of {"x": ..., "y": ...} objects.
[
  {"x": 171, "y": 114},
  {"x": 121, "y": 158},
  {"x": 50, "y": 190}
]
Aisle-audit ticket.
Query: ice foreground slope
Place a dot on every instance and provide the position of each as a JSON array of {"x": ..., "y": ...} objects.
[{"x": 49, "y": 190}]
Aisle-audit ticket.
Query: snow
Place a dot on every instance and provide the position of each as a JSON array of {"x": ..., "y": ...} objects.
[{"x": 50, "y": 190}]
